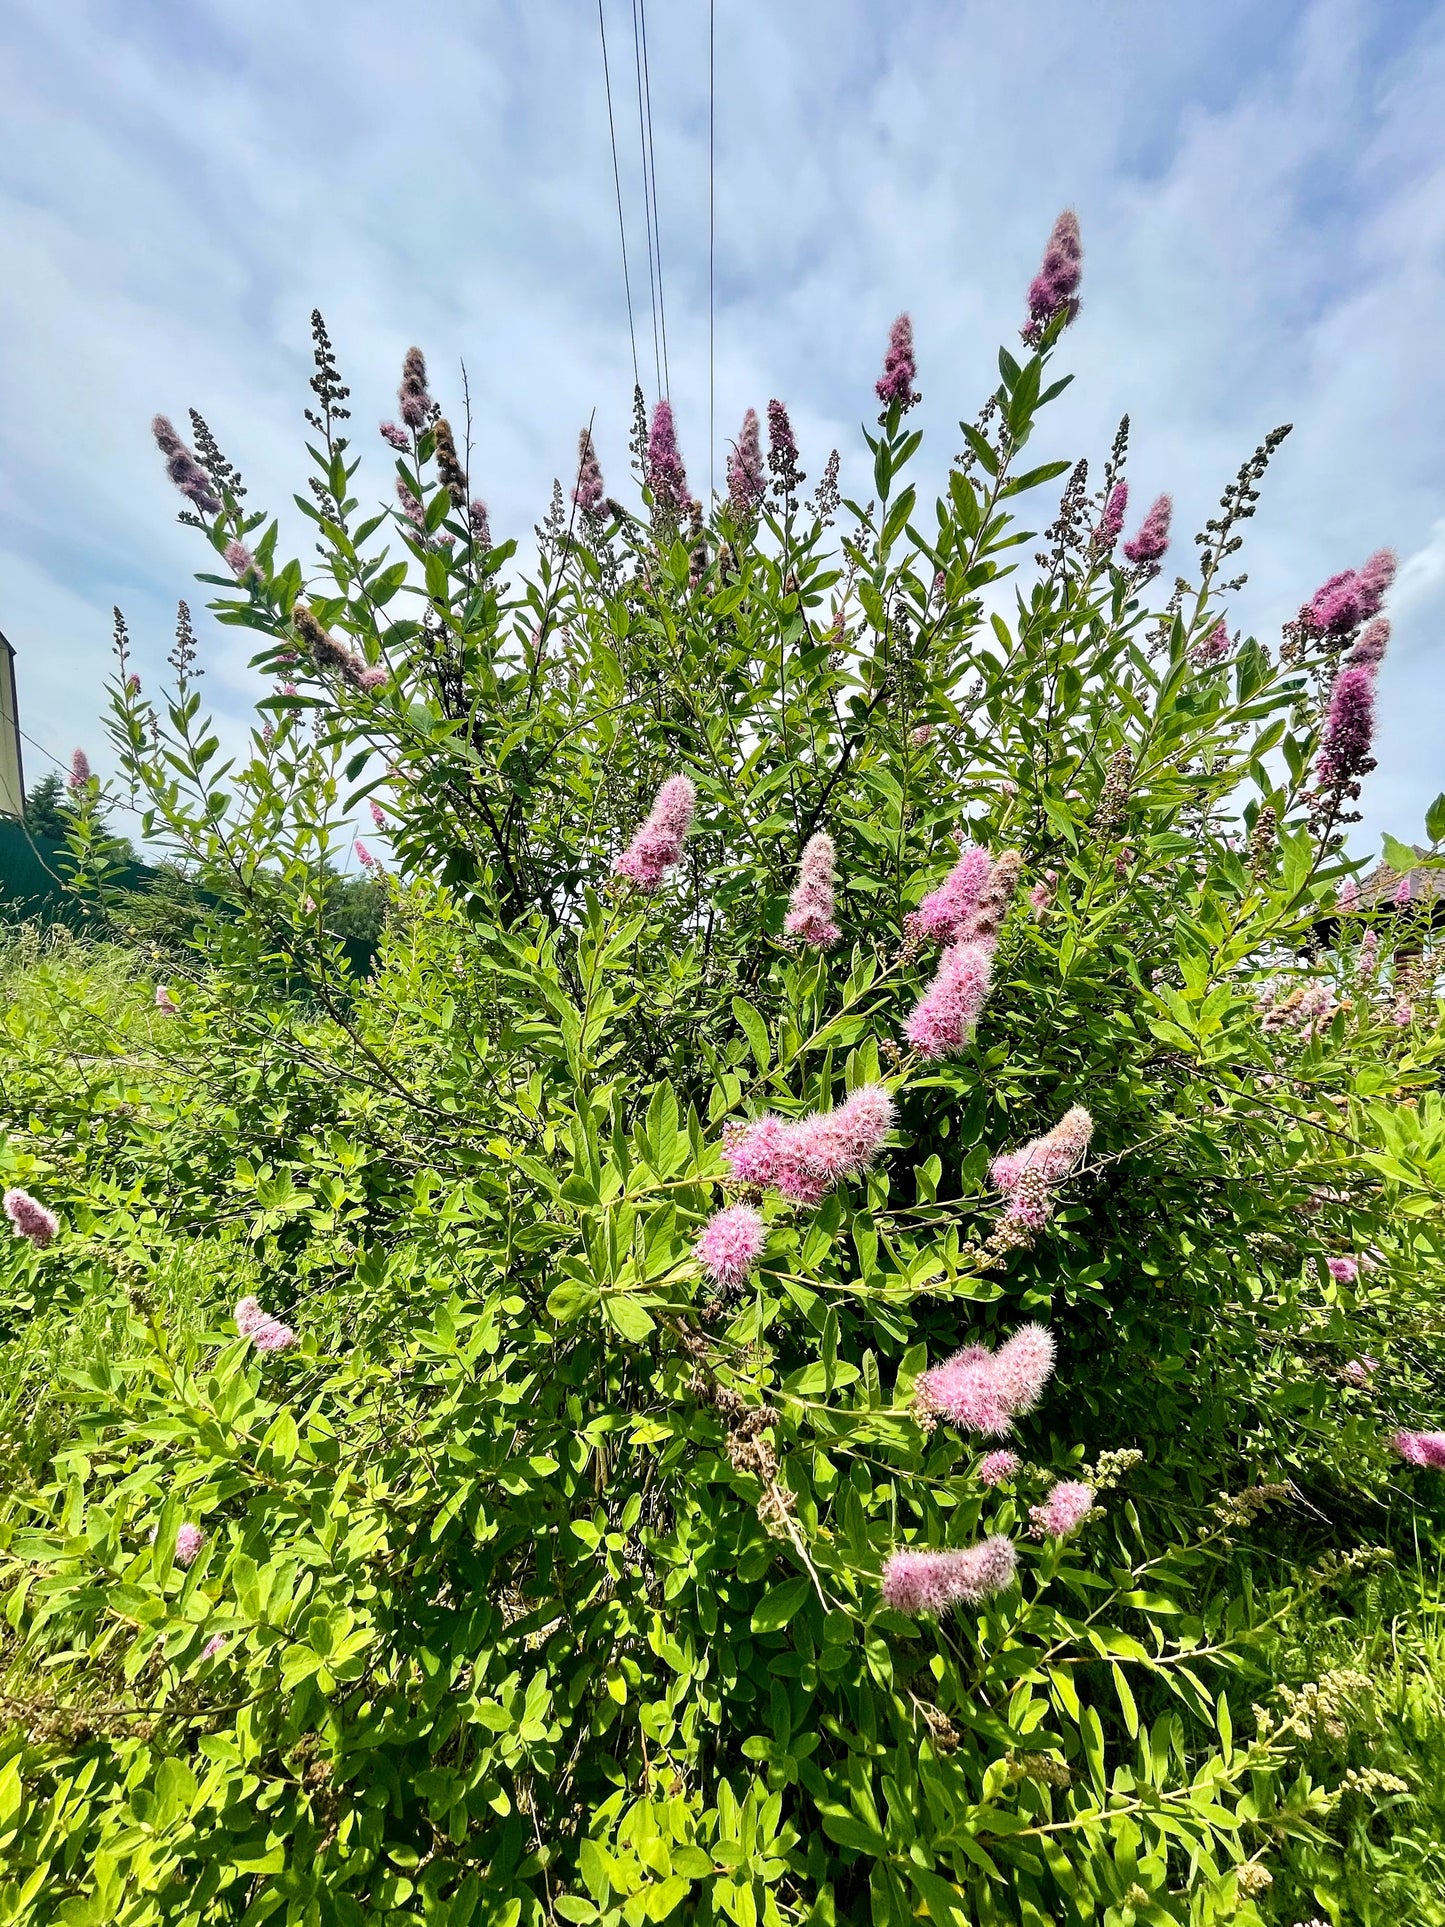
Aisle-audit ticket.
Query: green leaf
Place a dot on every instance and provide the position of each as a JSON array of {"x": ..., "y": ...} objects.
[
  {"x": 777, "y": 1607},
  {"x": 627, "y": 1316},
  {"x": 756, "y": 1030}
]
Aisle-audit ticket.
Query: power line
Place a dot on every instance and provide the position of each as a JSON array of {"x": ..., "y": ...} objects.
[
  {"x": 646, "y": 199},
  {"x": 656, "y": 219},
  {"x": 711, "y": 101},
  {"x": 617, "y": 183}
]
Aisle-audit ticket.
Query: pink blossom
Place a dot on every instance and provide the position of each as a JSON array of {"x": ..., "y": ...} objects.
[
  {"x": 995, "y": 1467},
  {"x": 1055, "y": 287},
  {"x": 240, "y": 561},
  {"x": 1212, "y": 648},
  {"x": 589, "y": 494},
  {"x": 272, "y": 1336},
  {"x": 1346, "y": 600},
  {"x": 895, "y": 384},
  {"x": 983, "y": 1391},
  {"x": 1153, "y": 537},
  {"x": 480, "y": 525},
  {"x": 189, "y": 1540},
  {"x": 1421, "y": 1448},
  {"x": 657, "y": 845},
  {"x": 1402, "y": 893},
  {"x": 666, "y": 476},
  {"x": 1348, "y": 732},
  {"x": 1375, "y": 579},
  {"x": 378, "y": 815},
  {"x": 1369, "y": 651},
  {"x": 810, "y": 909},
  {"x": 412, "y": 395},
  {"x": 30, "y": 1219},
  {"x": 214, "y": 1645},
  {"x": 933, "y": 1582},
  {"x": 363, "y": 855},
  {"x": 372, "y": 676},
  {"x": 731, "y": 1244},
  {"x": 1344, "y": 1271},
  {"x": 1042, "y": 894},
  {"x": 1064, "y": 1510},
  {"x": 746, "y": 482},
  {"x": 1053, "y": 1156},
  {"x": 945, "y": 911},
  {"x": 1111, "y": 522},
  {"x": 79, "y": 770},
  {"x": 1359, "y": 1371},
  {"x": 804, "y": 1157},
  {"x": 132, "y": 683},
  {"x": 783, "y": 452},
  {"x": 921, "y": 736},
  {"x": 165, "y": 1003},
  {"x": 1367, "y": 962},
  {"x": 248, "y": 1315},
  {"x": 1348, "y": 900},
  {"x": 948, "y": 1011},
  {"x": 398, "y": 437},
  {"x": 183, "y": 468}
]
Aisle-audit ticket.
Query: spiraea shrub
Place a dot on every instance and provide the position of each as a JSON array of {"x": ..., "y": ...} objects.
[{"x": 783, "y": 1357}]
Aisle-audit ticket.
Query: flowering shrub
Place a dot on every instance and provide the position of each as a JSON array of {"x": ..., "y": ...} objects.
[{"x": 821, "y": 1027}]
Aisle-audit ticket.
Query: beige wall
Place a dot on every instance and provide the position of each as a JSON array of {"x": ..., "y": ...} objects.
[{"x": 12, "y": 780}]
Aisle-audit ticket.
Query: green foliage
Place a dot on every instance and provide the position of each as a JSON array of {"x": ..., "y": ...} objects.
[{"x": 540, "y": 1580}]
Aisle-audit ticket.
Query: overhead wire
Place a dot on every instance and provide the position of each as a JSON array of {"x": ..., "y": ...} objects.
[
  {"x": 646, "y": 197},
  {"x": 656, "y": 221},
  {"x": 617, "y": 183}
]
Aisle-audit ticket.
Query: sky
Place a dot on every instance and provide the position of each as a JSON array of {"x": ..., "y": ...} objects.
[{"x": 1261, "y": 191}]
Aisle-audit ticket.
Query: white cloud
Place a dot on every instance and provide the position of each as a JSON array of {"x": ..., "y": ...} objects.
[{"x": 1262, "y": 193}]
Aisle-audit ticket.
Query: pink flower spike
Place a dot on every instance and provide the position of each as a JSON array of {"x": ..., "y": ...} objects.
[
  {"x": 189, "y": 1539},
  {"x": 945, "y": 911},
  {"x": 1348, "y": 731},
  {"x": 378, "y": 815},
  {"x": 666, "y": 476},
  {"x": 371, "y": 676},
  {"x": 965, "y": 1390},
  {"x": 747, "y": 483},
  {"x": 895, "y": 384},
  {"x": 30, "y": 1219},
  {"x": 1055, "y": 287},
  {"x": 1402, "y": 893},
  {"x": 1152, "y": 540},
  {"x": 1111, "y": 522},
  {"x": 1369, "y": 651},
  {"x": 948, "y": 1011},
  {"x": 1023, "y": 1366},
  {"x": 1065, "y": 1509},
  {"x": 248, "y": 1315},
  {"x": 272, "y": 1336},
  {"x": 363, "y": 855},
  {"x": 657, "y": 846},
  {"x": 810, "y": 909},
  {"x": 731, "y": 1244},
  {"x": 79, "y": 770},
  {"x": 933, "y": 1582},
  {"x": 397, "y": 437},
  {"x": 214, "y": 1645},
  {"x": 995, "y": 1467},
  {"x": 1344, "y": 1271},
  {"x": 165, "y": 1003},
  {"x": 1421, "y": 1448}
]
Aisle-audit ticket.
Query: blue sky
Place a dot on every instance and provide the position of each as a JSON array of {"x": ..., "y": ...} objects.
[{"x": 1261, "y": 190}]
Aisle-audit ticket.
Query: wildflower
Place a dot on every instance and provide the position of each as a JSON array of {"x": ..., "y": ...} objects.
[
  {"x": 746, "y": 485},
  {"x": 1152, "y": 539},
  {"x": 1063, "y": 1511},
  {"x": 266, "y": 1333},
  {"x": 1344, "y": 1271},
  {"x": 241, "y": 562},
  {"x": 895, "y": 384},
  {"x": 1369, "y": 651},
  {"x": 411, "y": 508},
  {"x": 214, "y": 1645},
  {"x": 810, "y": 908},
  {"x": 983, "y": 1391},
  {"x": 731, "y": 1245},
  {"x": 945, "y": 911},
  {"x": 398, "y": 437},
  {"x": 412, "y": 395},
  {"x": 1367, "y": 962},
  {"x": 165, "y": 1003},
  {"x": 189, "y": 1540},
  {"x": 1359, "y": 1371},
  {"x": 183, "y": 468},
  {"x": 986, "y": 918},
  {"x": 480, "y": 526},
  {"x": 657, "y": 845},
  {"x": 804, "y": 1157},
  {"x": 450, "y": 473},
  {"x": 948, "y": 1011},
  {"x": 666, "y": 476},
  {"x": 132, "y": 683},
  {"x": 933, "y": 1582},
  {"x": 1348, "y": 731},
  {"x": 1114, "y": 796},
  {"x": 1351, "y": 597},
  {"x": 1055, "y": 287},
  {"x": 363, "y": 855},
  {"x": 1212, "y": 648},
  {"x": 589, "y": 494},
  {"x": 378, "y": 815},
  {"x": 783, "y": 453},
  {"x": 1348, "y": 900},
  {"x": 30, "y": 1218},
  {"x": 1030, "y": 1176},
  {"x": 373, "y": 676},
  {"x": 79, "y": 770},
  {"x": 1421, "y": 1448},
  {"x": 1042, "y": 894},
  {"x": 921, "y": 736},
  {"x": 1111, "y": 522},
  {"x": 995, "y": 1467},
  {"x": 1402, "y": 893}
]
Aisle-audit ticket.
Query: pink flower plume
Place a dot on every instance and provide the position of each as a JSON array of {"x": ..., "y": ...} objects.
[
  {"x": 731, "y": 1244},
  {"x": 657, "y": 846},
  {"x": 934, "y": 1582},
  {"x": 30, "y": 1218},
  {"x": 810, "y": 909}
]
